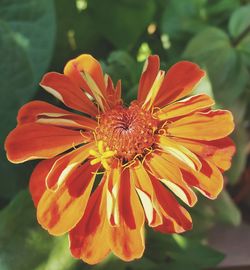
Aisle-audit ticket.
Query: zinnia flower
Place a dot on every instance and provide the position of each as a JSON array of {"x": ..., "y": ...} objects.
[{"x": 110, "y": 168}]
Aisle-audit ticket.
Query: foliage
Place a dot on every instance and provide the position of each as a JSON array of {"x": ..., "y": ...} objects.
[{"x": 37, "y": 36}]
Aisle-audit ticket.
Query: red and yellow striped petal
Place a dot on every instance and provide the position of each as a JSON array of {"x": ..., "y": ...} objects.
[
  {"x": 149, "y": 73},
  {"x": 86, "y": 71},
  {"x": 113, "y": 94},
  {"x": 207, "y": 126},
  {"x": 127, "y": 239},
  {"x": 59, "y": 211},
  {"x": 64, "y": 165},
  {"x": 113, "y": 185},
  {"x": 89, "y": 238},
  {"x": 44, "y": 113},
  {"x": 146, "y": 193},
  {"x": 37, "y": 184},
  {"x": 38, "y": 141},
  {"x": 219, "y": 152},
  {"x": 209, "y": 180},
  {"x": 85, "y": 63},
  {"x": 170, "y": 146},
  {"x": 184, "y": 107},
  {"x": 179, "y": 81},
  {"x": 61, "y": 87},
  {"x": 165, "y": 169},
  {"x": 176, "y": 218}
]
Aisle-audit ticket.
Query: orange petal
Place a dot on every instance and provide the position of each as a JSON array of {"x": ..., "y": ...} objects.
[
  {"x": 184, "y": 107},
  {"x": 59, "y": 211},
  {"x": 127, "y": 239},
  {"x": 179, "y": 81},
  {"x": 209, "y": 180},
  {"x": 61, "y": 87},
  {"x": 37, "y": 180},
  {"x": 177, "y": 219},
  {"x": 207, "y": 126},
  {"x": 85, "y": 63},
  {"x": 219, "y": 152},
  {"x": 89, "y": 239},
  {"x": 45, "y": 113},
  {"x": 149, "y": 73},
  {"x": 86, "y": 71},
  {"x": 37, "y": 141},
  {"x": 113, "y": 185},
  {"x": 64, "y": 165},
  {"x": 146, "y": 193},
  {"x": 165, "y": 169},
  {"x": 113, "y": 94},
  {"x": 168, "y": 226},
  {"x": 170, "y": 146}
]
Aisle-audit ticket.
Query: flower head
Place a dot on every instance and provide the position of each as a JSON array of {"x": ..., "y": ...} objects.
[{"x": 160, "y": 146}]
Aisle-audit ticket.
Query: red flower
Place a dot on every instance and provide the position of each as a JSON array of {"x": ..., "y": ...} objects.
[{"x": 158, "y": 146}]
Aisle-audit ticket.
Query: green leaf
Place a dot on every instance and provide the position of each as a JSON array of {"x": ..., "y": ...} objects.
[
  {"x": 75, "y": 34},
  {"x": 113, "y": 262},
  {"x": 240, "y": 138},
  {"x": 25, "y": 245},
  {"x": 239, "y": 28},
  {"x": 179, "y": 251},
  {"x": 204, "y": 87},
  {"x": 27, "y": 29},
  {"x": 244, "y": 48},
  {"x": 239, "y": 21},
  {"x": 212, "y": 49},
  {"x": 60, "y": 257},
  {"x": 208, "y": 213},
  {"x": 194, "y": 253},
  {"x": 218, "y": 11},
  {"x": 122, "y": 22},
  {"x": 232, "y": 215},
  {"x": 181, "y": 17}
]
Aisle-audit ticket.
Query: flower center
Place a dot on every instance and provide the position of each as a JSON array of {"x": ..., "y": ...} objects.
[{"x": 128, "y": 131}]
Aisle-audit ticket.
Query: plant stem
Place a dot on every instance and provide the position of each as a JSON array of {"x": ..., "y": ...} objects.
[{"x": 241, "y": 36}]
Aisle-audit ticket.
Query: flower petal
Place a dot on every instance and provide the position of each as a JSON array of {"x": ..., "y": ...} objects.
[
  {"x": 45, "y": 113},
  {"x": 149, "y": 73},
  {"x": 59, "y": 211},
  {"x": 37, "y": 180},
  {"x": 207, "y": 126},
  {"x": 219, "y": 152},
  {"x": 177, "y": 219},
  {"x": 127, "y": 239},
  {"x": 164, "y": 168},
  {"x": 169, "y": 145},
  {"x": 152, "y": 94},
  {"x": 85, "y": 63},
  {"x": 113, "y": 185},
  {"x": 184, "y": 107},
  {"x": 61, "y": 87},
  {"x": 86, "y": 71},
  {"x": 209, "y": 181},
  {"x": 113, "y": 93},
  {"x": 64, "y": 165},
  {"x": 38, "y": 141},
  {"x": 89, "y": 238},
  {"x": 146, "y": 193},
  {"x": 179, "y": 81}
]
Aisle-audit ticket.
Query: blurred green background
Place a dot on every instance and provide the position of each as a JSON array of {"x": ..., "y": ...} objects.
[{"x": 39, "y": 36}]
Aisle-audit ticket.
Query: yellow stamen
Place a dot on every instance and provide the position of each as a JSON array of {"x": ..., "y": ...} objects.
[
  {"x": 103, "y": 155},
  {"x": 95, "y": 161},
  {"x": 93, "y": 153}
]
